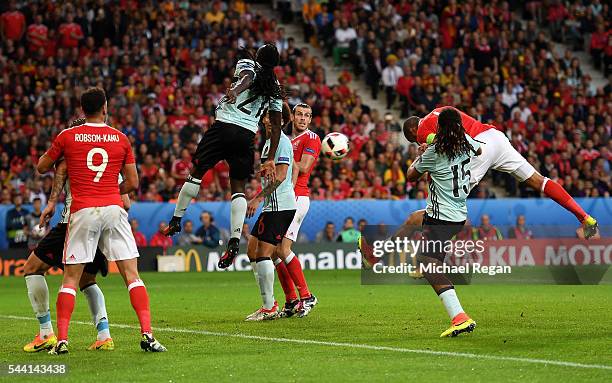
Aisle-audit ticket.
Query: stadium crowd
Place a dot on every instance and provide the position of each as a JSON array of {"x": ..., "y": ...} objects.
[
  {"x": 486, "y": 61},
  {"x": 166, "y": 64}
]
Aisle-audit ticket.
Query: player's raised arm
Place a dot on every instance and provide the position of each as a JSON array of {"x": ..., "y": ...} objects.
[{"x": 243, "y": 83}]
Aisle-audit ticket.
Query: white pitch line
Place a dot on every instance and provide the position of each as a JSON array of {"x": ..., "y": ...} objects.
[{"x": 349, "y": 345}]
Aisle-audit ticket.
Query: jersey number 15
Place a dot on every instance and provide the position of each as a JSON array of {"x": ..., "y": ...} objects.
[{"x": 464, "y": 174}]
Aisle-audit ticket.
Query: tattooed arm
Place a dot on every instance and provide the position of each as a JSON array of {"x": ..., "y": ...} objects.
[
  {"x": 58, "y": 185},
  {"x": 281, "y": 174}
]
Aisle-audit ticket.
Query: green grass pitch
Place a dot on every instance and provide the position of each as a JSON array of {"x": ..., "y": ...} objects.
[{"x": 200, "y": 318}]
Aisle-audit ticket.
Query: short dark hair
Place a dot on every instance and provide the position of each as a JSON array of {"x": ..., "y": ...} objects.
[
  {"x": 92, "y": 101},
  {"x": 301, "y": 105}
]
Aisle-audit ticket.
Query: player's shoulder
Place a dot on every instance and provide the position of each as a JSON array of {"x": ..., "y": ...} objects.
[
  {"x": 70, "y": 130},
  {"x": 245, "y": 64},
  {"x": 430, "y": 154},
  {"x": 312, "y": 136}
]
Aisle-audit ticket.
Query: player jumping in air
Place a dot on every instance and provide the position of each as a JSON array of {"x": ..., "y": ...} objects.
[
  {"x": 95, "y": 154},
  {"x": 306, "y": 149},
  {"x": 447, "y": 161},
  {"x": 48, "y": 254},
  {"x": 272, "y": 224},
  {"x": 232, "y": 138},
  {"x": 498, "y": 154}
]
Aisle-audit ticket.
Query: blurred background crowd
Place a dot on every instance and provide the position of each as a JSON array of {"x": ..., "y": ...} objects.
[{"x": 166, "y": 64}]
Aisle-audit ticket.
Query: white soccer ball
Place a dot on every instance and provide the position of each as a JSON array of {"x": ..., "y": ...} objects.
[
  {"x": 335, "y": 146},
  {"x": 38, "y": 232}
]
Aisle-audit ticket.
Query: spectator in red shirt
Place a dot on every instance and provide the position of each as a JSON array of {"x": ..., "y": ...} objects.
[
  {"x": 222, "y": 178},
  {"x": 12, "y": 23},
  {"x": 589, "y": 153},
  {"x": 160, "y": 240},
  {"x": 181, "y": 167},
  {"x": 448, "y": 32},
  {"x": 148, "y": 170},
  {"x": 37, "y": 34},
  {"x": 141, "y": 240},
  {"x": 70, "y": 32},
  {"x": 404, "y": 84},
  {"x": 599, "y": 42},
  {"x": 520, "y": 231}
]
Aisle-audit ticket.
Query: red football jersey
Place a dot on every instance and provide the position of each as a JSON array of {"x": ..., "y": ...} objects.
[
  {"x": 13, "y": 23},
  {"x": 34, "y": 36},
  {"x": 95, "y": 154},
  {"x": 306, "y": 143},
  {"x": 66, "y": 31},
  {"x": 429, "y": 124}
]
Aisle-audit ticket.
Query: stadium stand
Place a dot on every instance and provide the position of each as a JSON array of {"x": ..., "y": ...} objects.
[
  {"x": 492, "y": 64},
  {"x": 166, "y": 67}
]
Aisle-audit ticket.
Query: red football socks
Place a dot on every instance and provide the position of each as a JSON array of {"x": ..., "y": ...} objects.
[
  {"x": 65, "y": 306},
  {"x": 556, "y": 192},
  {"x": 297, "y": 275},
  {"x": 286, "y": 281},
  {"x": 140, "y": 303}
]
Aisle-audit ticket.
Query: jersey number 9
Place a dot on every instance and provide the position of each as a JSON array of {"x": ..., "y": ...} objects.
[{"x": 99, "y": 169}]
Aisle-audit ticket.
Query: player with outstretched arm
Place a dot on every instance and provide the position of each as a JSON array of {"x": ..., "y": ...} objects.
[{"x": 232, "y": 138}]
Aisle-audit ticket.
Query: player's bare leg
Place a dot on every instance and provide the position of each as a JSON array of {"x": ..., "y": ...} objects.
[
  {"x": 294, "y": 269},
  {"x": 556, "y": 192},
  {"x": 65, "y": 305},
  {"x": 237, "y": 215},
  {"x": 140, "y": 302},
  {"x": 38, "y": 292},
  {"x": 265, "y": 278},
  {"x": 252, "y": 254}
]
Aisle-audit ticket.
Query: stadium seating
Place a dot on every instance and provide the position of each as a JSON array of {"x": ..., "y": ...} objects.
[
  {"x": 166, "y": 68},
  {"x": 492, "y": 64}
]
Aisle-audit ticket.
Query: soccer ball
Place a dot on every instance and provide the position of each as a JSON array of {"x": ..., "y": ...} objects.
[
  {"x": 335, "y": 146},
  {"x": 38, "y": 232}
]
